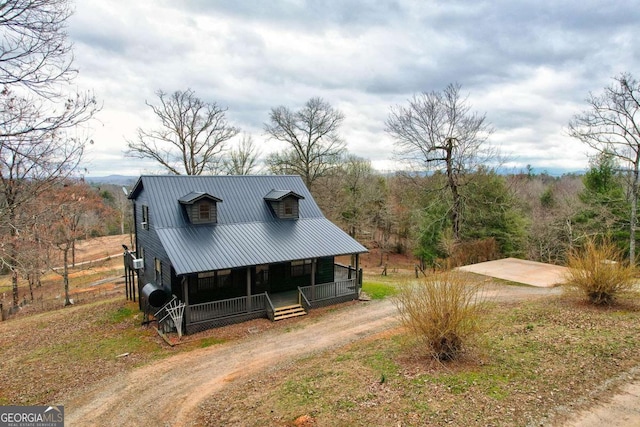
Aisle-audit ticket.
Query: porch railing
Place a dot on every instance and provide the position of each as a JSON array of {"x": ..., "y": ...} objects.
[
  {"x": 329, "y": 290},
  {"x": 228, "y": 307},
  {"x": 303, "y": 300},
  {"x": 261, "y": 303},
  {"x": 269, "y": 307}
]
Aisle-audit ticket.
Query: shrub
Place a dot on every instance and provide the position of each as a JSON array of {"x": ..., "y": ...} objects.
[
  {"x": 598, "y": 272},
  {"x": 443, "y": 311}
]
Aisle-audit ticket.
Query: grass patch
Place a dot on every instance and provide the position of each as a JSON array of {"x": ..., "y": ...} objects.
[
  {"x": 378, "y": 290},
  {"x": 122, "y": 314},
  {"x": 538, "y": 356},
  {"x": 209, "y": 341}
]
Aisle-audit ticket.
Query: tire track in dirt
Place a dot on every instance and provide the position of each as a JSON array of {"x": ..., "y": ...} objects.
[{"x": 168, "y": 392}]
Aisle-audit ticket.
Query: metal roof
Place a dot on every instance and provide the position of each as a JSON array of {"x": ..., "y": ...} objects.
[
  {"x": 281, "y": 194},
  {"x": 247, "y": 232},
  {"x": 194, "y": 196}
]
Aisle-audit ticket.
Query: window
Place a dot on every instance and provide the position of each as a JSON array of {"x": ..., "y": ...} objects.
[
  {"x": 223, "y": 278},
  {"x": 288, "y": 207},
  {"x": 262, "y": 275},
  {"x": 158, "y": 265},
  {"x": 300, "y": 268},
  {"x": 205, "y": 211},
  {"x": 212, "y": 280},
  {"x": 206, "y": 281},
  {"x": 145, "y": 217}
]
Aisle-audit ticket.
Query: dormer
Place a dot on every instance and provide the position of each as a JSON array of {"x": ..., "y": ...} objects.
[
  {"x": 201, "y": 208},
  {"x": 284, "y": 203}
]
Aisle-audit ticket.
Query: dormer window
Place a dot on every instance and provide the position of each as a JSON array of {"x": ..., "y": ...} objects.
[
  {"x": 288, "y": 206},
  {"x": 284, "y": 204},
  {"x": 201, "y": 208}
]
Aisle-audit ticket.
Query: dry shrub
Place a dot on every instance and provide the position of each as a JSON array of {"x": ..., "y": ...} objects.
[
  {"x": 598, "y": 272},
  {"x": 443, "y": 311}
]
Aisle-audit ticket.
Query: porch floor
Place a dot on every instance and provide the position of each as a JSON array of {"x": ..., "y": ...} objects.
[{"x": 283, "y": 299}]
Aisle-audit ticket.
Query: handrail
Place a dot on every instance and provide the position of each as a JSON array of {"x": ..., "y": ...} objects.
[
  {"x": 301, "y": 297},
  {"x": 270, "y": 309}
]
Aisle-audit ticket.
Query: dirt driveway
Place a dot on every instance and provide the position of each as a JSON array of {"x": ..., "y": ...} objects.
[{"x": 169, "y": 391}]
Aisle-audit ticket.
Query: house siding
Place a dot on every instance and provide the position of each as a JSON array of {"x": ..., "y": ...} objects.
[{"x": 148, "y": 239}]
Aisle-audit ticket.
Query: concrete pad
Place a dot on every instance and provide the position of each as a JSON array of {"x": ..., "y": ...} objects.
[{"x": 520, "y": 271}]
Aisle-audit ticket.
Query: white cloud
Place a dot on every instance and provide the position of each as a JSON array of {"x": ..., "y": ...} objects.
[{"x": 527, "y": 65}]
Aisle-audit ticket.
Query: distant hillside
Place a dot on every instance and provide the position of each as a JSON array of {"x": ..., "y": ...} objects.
[{"x": 112, "y": 179}]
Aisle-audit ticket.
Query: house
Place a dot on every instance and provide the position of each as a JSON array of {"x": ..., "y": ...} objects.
[{"x": 233, "y": 248}]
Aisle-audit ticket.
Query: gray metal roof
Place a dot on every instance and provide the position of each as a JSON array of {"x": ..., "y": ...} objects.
[
  {"x": 247, "y": 232},
  {"x": 194, "y": 196},
  {"x": 281, "y": 194}
]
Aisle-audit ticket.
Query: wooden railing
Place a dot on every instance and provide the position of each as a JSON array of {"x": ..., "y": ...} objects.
[
  {"x": 262, "y": 303},
  {"x": 303, "y": 300},
  {"x": 227, "y": 307},
  {"x": 269, "y": 307},
  {"x": 329, "y": 290}
]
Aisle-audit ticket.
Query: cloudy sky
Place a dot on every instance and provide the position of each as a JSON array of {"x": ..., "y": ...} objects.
[{"x": 528, "y": 65}]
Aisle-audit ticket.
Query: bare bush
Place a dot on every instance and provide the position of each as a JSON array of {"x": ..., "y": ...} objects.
[
  {"x": 597, "y": 271},
  {"x": 443, "y": 311}
]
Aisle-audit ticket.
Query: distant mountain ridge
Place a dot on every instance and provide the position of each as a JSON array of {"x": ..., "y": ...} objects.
[{"x": 112, "y": 179}]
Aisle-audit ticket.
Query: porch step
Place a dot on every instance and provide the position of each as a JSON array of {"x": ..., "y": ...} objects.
[{"x": 281, "y": 313}]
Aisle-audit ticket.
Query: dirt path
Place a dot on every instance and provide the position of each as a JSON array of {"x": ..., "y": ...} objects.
[{"x": 169, "y": 391}]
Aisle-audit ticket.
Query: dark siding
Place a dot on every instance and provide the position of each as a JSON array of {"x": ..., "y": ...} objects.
[{"x": 149, "y": 240}]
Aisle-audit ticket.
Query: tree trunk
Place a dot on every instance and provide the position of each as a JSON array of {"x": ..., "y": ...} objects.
[
  {"x": 453, "y": 186},
  {"x": 65, "y": 277},
  {"x": 14, "y": 287},
  {"x": 634, "y": 216}
]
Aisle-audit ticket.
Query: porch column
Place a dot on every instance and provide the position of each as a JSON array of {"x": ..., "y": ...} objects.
[
  {"x": 126, "y": 276},
  {"x": 358, "y": 278},
  {"x": 185, "y": 295},
  {"x": 248, "y": 289},
  {"x": 313, "y": 279}
]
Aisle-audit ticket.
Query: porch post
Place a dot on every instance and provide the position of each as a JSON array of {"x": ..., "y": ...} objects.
[
  {"x": 126, "y": 276},
  {"x": 358, "y": 278},
  {"x": 313, "y": 279},
  {"x": 248, "y": 289},
  {"x": 185, "y": 295}
]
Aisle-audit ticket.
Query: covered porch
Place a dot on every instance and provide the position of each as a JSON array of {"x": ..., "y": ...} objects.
[{"x": 274, "y": 304}]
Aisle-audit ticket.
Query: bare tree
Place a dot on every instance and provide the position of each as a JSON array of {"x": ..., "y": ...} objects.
[
  {"x": 40, "y": 123},
  {"x": 192, "y": 138},
  {"x": 70, "y": 207},
  {"x": 439, "y": 131},
  {"x": 242, "y": 160},
  {"x": 612, "y": 124},
  {"x": 312, "y": 136},
  {"x": 35, "y": 51}
]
